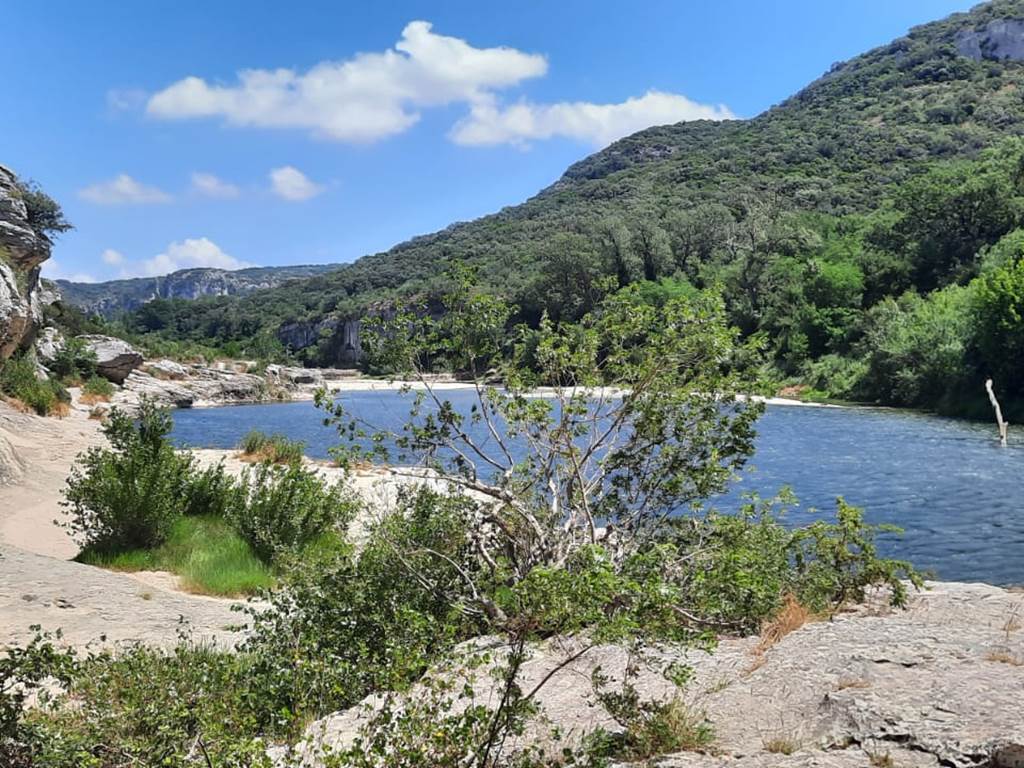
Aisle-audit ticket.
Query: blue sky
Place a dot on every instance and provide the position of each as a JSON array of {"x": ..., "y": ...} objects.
[{"x": 359, "y": 125}]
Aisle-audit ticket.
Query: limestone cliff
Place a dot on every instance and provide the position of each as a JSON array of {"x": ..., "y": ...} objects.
[{"x": 22, "y": 251}]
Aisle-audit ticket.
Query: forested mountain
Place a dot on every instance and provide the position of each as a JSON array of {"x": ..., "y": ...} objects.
[
  {"x": 853, "y": 225},
  {"x": 112, "y": 297}
]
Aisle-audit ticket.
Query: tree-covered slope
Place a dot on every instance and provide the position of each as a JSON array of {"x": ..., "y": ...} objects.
[{"x": 894, "y": 172}]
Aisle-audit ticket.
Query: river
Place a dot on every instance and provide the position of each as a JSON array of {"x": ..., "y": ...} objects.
[{"x": 947, "y": 483}]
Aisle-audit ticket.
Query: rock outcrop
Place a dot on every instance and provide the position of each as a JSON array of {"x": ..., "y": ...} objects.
[
  {"x": 22, "y": 251},
  {"x": 115, "y": 358},
  {"x": 999, "y": 40},
  {"x": 937, "y": 684},
  {"x": 48, "y": 344},
  {"x": 191, "y": 386}
]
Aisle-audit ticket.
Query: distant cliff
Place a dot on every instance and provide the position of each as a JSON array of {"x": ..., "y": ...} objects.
[{"x": 116, "y": 296}]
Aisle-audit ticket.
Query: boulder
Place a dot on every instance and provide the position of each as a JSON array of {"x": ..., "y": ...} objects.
[
  {"x": 139, "y": 385},
  {"x": 286, "y": 376},
  {"x": 115, "y": 358}
]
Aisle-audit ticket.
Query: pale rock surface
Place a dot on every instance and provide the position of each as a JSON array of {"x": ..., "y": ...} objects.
[
  {"x": 48, "y": 344},
  {"x": 115, "y": 358},
  {"x": 198, "y": 386},
  {"x": 941, "y": 683},
  {"x": 22, "y": 250}
]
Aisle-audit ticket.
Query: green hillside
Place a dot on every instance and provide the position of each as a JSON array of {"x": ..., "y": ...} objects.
[{"x": 827, "y": 222}]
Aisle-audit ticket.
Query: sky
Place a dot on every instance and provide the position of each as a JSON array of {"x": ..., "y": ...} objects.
[{"x": 231, "y": 133}]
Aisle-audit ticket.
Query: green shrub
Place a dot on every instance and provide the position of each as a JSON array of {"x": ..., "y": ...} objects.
[
  {"x": 74, "y": 359},
  {"x": 836, "y": 563},
  {"x": 18, "y": 380},
  {"x": 283, "y": 508},
  {"x": 210, "y": 492},
  {"x": 98, "y": 387},
  {"x": 128, "y": 495},
  {"x": 275, "y": 449}
]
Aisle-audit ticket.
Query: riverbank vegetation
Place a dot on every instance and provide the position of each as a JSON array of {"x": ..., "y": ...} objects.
[
  {"x": 140, "y": 505},
  {"x": 597, "y": 535}
]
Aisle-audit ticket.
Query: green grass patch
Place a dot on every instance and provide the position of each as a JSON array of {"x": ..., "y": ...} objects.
[
  {"x": 206, "y": 552},
  {"x": 275, "y": 449}
]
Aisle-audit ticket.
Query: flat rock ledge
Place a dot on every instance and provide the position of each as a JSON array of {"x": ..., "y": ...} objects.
[
  {"x": 938, "y": 684},
  {"x": 93, "y": 607}
]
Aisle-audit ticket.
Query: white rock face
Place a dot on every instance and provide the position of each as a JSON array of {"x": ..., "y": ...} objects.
[
  {"x": 22, "y": 250},
  {"x": 192, "y": 385},
  {"x": 48, "y": 343},
  {"x": 115, "y": 359},
  {"x": 999, "y": 40}
]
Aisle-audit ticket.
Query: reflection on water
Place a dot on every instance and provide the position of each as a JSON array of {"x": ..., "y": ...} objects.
[{"x": 947, "y": 483}]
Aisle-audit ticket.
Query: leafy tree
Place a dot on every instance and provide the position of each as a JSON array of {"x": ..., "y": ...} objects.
[
  {"x": 45, "y": 215},
  {"x": 999, "y": 309}
]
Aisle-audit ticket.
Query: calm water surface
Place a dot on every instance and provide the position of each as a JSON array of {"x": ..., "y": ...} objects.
[{"x": 947, "y": 483}]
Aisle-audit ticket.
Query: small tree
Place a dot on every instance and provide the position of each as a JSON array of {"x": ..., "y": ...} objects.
[{"x": 45, "y": 215}]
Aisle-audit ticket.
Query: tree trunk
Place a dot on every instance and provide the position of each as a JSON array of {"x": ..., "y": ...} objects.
[{"x": 1003, "y": 426}]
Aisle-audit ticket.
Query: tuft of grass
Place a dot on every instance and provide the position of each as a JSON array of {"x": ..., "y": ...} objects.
[
  {"x": 273, "y": 449},
  {"x": 205, "y": 551},
  {"x": 96, "y": 390},
  {"x": 879, "y": 760},
  {"x": 846, "y": 683},
  {"x": 781, "y": 745},
  {"x": 792, "y": 616},
  {"x": 1003, "y": 656}
]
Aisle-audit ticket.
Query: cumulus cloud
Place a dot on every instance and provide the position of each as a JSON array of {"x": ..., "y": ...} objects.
[
  {"x": 208, "y": 185},
  {"x": 367, "y": 97},
  {"x": 290, "y": 183},
  {"x": 112, "y": 257},
  {"x": 186, "y": 254},
  {"x": 123, "y": 190},
  {"x": 597, "y": 124}
]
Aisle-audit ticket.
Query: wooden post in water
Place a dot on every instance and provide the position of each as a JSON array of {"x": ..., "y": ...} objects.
[{"x": 1003, "y": 426}]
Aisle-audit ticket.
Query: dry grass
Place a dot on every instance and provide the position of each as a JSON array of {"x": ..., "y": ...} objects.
[
  {"x": 60, "y": 410},
  {"x": 19, "y": 405},
  {"x": 98, "y": 414},
  {"x": 792, "y": 616},
  {"x": 1003, "y": 656},
  {"x": 846, "y": 683},
  {"x": 90, "y": 398},
  {"x": 781, "y": 744},
  {"x": 878, "y": 760}
]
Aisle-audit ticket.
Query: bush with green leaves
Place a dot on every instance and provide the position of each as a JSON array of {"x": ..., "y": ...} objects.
[
  {"x": 98, "y": 387},
  {"x": 128, "y": 495},
  {"x": 276, "y": 449},
  {"x": 18, "y": 380},
  {"x": 74, "y": 360},
  {"x": 281, "y": 508}
]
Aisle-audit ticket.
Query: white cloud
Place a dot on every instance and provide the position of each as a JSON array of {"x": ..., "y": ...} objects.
[
  {"x": 292, "y": 184},
  {"x": 598, "y": 124},
  {"x": 209, "y": 185},
  {"x": 112, "y": 257},
  {"x": 54, "y": 270},
  {"x": 192, "y": 252},
  {"x": 124, "y": 99},
  {"x": 367, "y": 97},
  {"x": 123, "y": 189}
]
